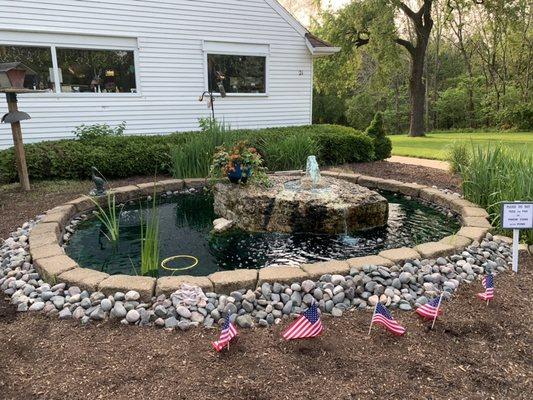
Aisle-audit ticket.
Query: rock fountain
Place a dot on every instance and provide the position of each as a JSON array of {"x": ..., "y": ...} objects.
[{"x": 311, "y": 204}]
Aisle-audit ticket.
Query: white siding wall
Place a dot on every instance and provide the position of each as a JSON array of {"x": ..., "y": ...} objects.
[{"x": 170, "y": 64}]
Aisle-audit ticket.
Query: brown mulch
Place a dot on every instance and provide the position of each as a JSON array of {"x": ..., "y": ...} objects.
[
  {"x": 408, "y": 173},
  {"x": 475, "y": 352}
]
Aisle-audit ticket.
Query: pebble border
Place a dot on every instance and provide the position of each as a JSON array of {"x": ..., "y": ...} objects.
[{"x": 55, "y": 266}]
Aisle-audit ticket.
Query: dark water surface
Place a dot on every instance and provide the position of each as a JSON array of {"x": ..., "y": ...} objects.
[{"x": 185, "y": 225}]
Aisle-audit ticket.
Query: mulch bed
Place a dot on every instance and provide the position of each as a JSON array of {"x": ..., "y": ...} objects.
[{"x": 475, "y": 352}]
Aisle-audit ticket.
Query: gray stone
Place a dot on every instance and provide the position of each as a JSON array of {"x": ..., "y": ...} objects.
[
  {"x": 171, "y": 322},
  {"x": 119, "y": 311},
  {"x": 98, "y": 314},
  {"x": 308, "y": 285},
  {"x": 184, "y": 325},
  {"x": 37, "y": 306},
  {"x": 183, "y": 312},
  {"x": 65, "y": 314},
  {"x": 106, "y": 304},
  {"x": 336, "y": 312},
  {"x": 132, "y": 295},
  {"x": 133, "y": 315},
  {"x": 287, "y": 308},
  {"x": 244, "y": 321}
]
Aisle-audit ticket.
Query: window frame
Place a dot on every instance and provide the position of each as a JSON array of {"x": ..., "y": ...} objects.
[
  {"x": 237, "y": 49},
  {"x": 74, "y": 42}
]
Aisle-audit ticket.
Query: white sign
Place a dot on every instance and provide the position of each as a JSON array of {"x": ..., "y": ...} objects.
[{"x": 517, "y": 215}]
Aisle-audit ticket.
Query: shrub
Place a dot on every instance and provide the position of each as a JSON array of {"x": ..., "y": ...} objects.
[
  {"x": 126, "y": 156},
  {"x": 329, "y": 109},
  {"x": 458, "y": 156},
  {"x": 382, "y": 144},
  {"x": 90, "y": 132},
  {"x": 343, "y": 145}
]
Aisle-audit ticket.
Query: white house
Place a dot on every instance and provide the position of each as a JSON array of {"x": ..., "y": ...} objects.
[{"x": 146, "y": 62}]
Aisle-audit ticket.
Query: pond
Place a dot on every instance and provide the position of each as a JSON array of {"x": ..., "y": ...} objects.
[{"x": 186, "y": 222}]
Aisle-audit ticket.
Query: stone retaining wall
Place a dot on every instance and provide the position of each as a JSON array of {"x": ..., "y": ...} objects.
[{"x": 53, "y": 265}]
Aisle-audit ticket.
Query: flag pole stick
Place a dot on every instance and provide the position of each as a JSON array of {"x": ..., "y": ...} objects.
[
  {"x": 372, "y": 320},
  {"x": 437, "y": 311}
]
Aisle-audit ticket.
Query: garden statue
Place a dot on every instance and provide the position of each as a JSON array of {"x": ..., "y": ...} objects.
[{"x": 99, "y": 183}]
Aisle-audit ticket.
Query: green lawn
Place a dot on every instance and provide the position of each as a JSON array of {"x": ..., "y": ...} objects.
[{"x": 434, "y": 144}]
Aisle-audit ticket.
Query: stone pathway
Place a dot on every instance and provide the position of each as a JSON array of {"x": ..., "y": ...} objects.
[{"x": 423, "y": 162}]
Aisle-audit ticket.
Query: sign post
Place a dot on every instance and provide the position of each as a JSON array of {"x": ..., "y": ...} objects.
[{"x": 516, "y": 216}]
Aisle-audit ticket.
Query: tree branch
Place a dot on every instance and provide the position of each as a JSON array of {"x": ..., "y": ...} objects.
[
  {"x": 405, "y": 8},
  {"x": 407, "y": 44}
]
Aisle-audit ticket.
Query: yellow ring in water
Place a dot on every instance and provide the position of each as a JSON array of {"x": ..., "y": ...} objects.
[{"x": 166, "y": 260}]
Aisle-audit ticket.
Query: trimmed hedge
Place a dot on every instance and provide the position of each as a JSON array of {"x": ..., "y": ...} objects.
[{"x": 125, "y": 156}]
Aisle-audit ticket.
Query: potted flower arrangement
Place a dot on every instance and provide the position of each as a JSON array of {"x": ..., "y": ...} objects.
[{"x": 239, "y": 163}]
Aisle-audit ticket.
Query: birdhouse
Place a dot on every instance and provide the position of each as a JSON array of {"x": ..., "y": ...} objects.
[{"x": 12, "y": 75}]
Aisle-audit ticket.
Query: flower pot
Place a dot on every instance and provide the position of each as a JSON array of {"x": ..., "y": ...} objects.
[{"x": 240, "y": 174}]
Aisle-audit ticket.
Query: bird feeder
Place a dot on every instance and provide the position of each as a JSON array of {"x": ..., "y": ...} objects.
[{"x": 12, "y": 76}]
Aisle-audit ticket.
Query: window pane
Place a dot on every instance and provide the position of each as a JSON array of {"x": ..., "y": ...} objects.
[
  {"x": 39, "y": 59},
  {"x": 98, "y": 71},
  {"x": 241, "y": 74}
]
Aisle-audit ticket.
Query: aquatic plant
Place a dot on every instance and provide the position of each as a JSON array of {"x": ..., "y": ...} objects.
[
  {"x": 150, "y": 241},
  {"x": 109, "y": 218}
]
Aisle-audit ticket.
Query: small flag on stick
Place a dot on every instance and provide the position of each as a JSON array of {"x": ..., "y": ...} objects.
[
  {"x": 226, "y": 335},
  {"x": 383, "y": 317},
  {"x": 431, "y": 310},
  {"x": 488, "y": 284},
  {"x": 307, "y": 325}
]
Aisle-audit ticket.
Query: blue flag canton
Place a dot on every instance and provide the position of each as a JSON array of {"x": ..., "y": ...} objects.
[
  {"x": 380, "y": 309},
  {"x": 489, "y": 282},
  {"x": 434, "y": 302},
  {"x": 312, "y": 314},
  {"x": 227, "y": 323}
]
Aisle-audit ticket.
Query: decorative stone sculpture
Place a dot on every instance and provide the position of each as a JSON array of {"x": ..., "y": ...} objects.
[
  {"x": 99, "y": 183},
  {"x": 335, "y": 206}
]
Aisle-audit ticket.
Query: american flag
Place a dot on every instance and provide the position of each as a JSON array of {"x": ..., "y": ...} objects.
[
  {"x": 308, "y": 325},
  {"x": 488, "y": 284},
  {"x": 383, "y": 317},
  {"x": 431, "y": 309},
  {"x": 228, "y": 332}
]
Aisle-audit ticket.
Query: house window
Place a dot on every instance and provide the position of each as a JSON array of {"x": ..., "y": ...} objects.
[
  {"x": 238, "y": 74},
  {"x": 39, "y": 59},
  {"x": 98, "y": 71}
]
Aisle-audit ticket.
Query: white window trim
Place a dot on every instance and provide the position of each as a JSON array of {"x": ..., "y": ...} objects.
[
  {"x": 54, "y": 41},
  {"x": 231, "y": 49}
]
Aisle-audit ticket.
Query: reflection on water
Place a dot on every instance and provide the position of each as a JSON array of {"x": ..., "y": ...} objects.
[{"x": 186, "y": 222}]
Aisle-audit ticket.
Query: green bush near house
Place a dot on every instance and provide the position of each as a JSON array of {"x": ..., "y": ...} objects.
[{"x": 119, "y": 156}]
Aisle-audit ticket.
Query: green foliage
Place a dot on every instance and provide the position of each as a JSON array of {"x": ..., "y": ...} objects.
[
  {"x": 342, "y": 146},
  {"x": 289, "y": 153},
  {"x": 382, "y": 144},
  {"x": 91, "y": 132},
  {"x": 150, "y": 248},
  {"x": 496, "y": 174},
  {"x": 110, "y": 218},
  {"x": 227, "y": 160},
  {"x": 192, "y": 158},
  {"x": 458, "y": 156},
  {"x": 185, "y": 154},
  {"x": 329, "y": 110}
]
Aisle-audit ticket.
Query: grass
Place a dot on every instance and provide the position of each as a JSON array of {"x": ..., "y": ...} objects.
[
  {"x": 110, "y": 218},
  {"x": 150, "y": 241},
  {"x": 435, "y": 144},
  {"x": 495, "y": 174}
]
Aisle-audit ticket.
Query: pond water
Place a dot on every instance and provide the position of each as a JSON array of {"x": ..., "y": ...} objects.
[{"x": 186, "y": 222}]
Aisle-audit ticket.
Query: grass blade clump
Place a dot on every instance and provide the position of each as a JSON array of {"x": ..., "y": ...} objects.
[
  {"x": 150, "y": 241},
  {"x": 109, "y": 218},
  {"x": 288, "y": 153},
  {"x": 497, "y": 174}
]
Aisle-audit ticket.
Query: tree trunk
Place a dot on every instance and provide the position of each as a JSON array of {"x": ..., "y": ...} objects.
[{"x": 417, "y": 89}]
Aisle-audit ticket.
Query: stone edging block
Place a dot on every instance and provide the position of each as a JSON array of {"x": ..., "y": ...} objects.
[
  {"x": 316, "y": 270},
  {"x": 85, "y": 279},
  {"x": 283, "y": 275},
  {"x": 49, "y": 268},
  {"x": 360, "y": 262},
  {"x": 458, "y": 242},
  {"x": 45, "y": 251},
  {"x": 169, "y": 284},
  {"x": 144, "y": 285},
  {"x": 400, "y": 254},
  {"x": 434, "y": 249},
  {"x": 226, "y": 282},
  {"x": 147, "y": 189},
  {"x": 473, "y": 232},
  {"x": 478, "y": 222}
]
